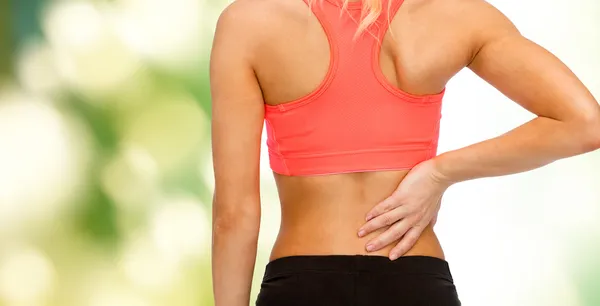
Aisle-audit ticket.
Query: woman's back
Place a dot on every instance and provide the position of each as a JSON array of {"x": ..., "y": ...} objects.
[
  {"x": 322, "y": 214},
  {"x": 292, "y": 53}
]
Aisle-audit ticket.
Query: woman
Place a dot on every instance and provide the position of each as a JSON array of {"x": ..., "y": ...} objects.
[{"x": 351, "y": 96}]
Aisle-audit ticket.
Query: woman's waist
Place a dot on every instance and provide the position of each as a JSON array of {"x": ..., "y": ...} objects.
[{"x": 337, "y": 238}]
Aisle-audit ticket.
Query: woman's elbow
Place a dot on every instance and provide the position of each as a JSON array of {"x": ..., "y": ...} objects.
[
  {"x": 236, "y": 223},
  {"x": 244, "y": 217},
  {"x": 591, "y": 132}
]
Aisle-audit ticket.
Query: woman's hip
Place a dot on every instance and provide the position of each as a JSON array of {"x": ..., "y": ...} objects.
[{"x": 357, "y": 280}]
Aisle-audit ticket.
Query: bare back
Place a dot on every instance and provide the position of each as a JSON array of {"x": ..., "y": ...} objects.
[{"x": 427, "y": 43}]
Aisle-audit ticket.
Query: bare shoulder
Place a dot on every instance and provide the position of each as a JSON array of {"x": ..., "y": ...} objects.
[
  {"x": 252, "y": 21},
  {"x": 479, "y": 12},
  {"x": 241, "y": 20},
  {"x": 249, "y": 12},
  {"x": 472, "y": 22},
  {"x": 483, "y": 16}
]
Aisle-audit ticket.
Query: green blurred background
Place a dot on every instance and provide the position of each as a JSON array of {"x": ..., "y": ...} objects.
[{"x": 106, "y": 174}]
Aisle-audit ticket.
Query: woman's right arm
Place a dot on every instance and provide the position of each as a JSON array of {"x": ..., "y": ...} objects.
[{"x": 237, "y": 123}]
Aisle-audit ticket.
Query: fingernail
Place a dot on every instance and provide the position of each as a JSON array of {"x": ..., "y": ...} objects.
[
  {"x": 370, "y": 247},
  {"x": 369, "y": 217},
  {"x": 361, "y": 233},
  {"x": 393, "y": 256}
]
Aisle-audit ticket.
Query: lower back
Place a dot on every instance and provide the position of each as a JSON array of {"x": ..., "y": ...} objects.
[{"x": 322, "y": 214}]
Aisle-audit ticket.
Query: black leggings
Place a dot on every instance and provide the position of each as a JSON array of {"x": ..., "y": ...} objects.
[{"x": 357, "y": 280}]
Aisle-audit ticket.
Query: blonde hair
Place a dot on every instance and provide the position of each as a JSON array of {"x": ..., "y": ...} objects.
[{"x": 371, "y": 10}]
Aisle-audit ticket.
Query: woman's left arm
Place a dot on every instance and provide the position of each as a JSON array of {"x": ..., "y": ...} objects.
[
  {"x": 237, "y": 123},
  {"x": 567, "y": 124},
  {"x": 568, "y": 116}
]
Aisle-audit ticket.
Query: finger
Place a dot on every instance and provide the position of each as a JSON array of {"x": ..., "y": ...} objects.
[
  {"x": 386, "y": 205},
  {"x": 385, "y": 219},
  {"x": 407, "y": 242},
  {"x": 390, "y": 235}
]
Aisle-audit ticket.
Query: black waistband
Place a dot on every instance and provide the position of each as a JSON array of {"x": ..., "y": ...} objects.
[{"x": 358, "y": 263}]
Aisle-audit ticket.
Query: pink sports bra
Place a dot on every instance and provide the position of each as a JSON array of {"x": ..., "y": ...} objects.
[{"x": 355, "y": 120}]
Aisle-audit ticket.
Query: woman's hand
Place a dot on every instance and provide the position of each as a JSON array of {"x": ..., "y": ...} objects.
[{"x": 408, "y": 210}]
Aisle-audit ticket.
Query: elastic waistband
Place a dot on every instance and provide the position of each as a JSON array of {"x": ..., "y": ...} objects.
[{"x": 415, "y": 264}]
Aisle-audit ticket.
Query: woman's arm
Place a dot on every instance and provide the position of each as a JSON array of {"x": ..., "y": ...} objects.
[
  {"x": 568, "y": 116},
  {"x": 567, "y": 124},
  {"x": 237, "y": 122}
]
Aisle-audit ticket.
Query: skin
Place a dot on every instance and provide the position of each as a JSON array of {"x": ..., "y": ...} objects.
[{"x": 272, "y": 51}]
